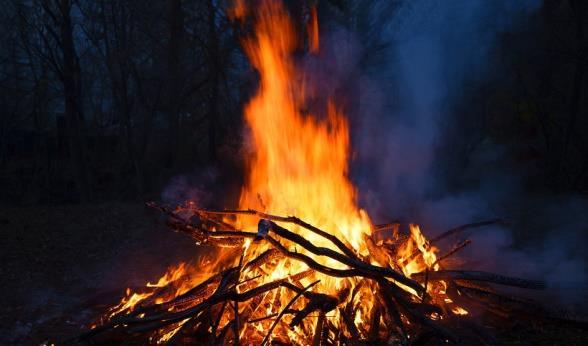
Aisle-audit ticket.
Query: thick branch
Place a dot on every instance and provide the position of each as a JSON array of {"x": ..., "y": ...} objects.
[
  {"x": 482, "y": 276},
  {"x": 290, "y": 219},
  {"x": 368, "y": 269}
]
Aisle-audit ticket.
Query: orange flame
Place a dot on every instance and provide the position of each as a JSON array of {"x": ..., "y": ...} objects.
[
  {"x": 312, "y": 29},
  {"x": 407, "y": 259},
  {"x": 238, "y": 10},
  {"x": 298, "y": 165}
]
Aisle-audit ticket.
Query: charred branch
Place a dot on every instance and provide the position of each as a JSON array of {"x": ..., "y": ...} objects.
[
  {"x": 482, "y": 276},
  {"x": 400, "y": 303}
]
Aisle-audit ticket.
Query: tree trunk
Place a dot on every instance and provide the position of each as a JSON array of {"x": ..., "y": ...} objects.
[
  {"x": 579, "y": 8},
  {"x": 214, "y": 80},
  {"x": 175, "y": 27},
  {"x": 72, "y": 85},
  {"x": 120, "y": 72}
]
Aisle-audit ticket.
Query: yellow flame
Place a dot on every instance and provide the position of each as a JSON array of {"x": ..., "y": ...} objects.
[
  {"x": 172, "y": 274},
  {"x": 129, "y": 302},
  {"x": 412, "y": 262},
  {"x": 459, "y": 310},
  {"x": 297, "y": 165},
  {"x": 165, "y": 337}
]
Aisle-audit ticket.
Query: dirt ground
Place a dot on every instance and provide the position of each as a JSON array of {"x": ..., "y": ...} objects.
[{"x": 62, "y": 265}]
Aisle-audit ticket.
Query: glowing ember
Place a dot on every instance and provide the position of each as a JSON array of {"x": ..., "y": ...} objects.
[{"x": 459, "y": 311}]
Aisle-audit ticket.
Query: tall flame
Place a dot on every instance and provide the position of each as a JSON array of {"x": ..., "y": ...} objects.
[{"x": 299, "y": 166}]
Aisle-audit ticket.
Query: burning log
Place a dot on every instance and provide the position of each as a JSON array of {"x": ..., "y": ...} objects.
[
  {"x": 363, "y": 269},
  {"x": 286, "y": 309},
  {"x": 290, "y": 219},
  {"x": 323, "y": 280},
  {"x": 202, "y": 309}
]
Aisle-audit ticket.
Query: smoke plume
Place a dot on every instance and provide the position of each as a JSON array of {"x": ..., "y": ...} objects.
[{"x": 403, "y": 78}]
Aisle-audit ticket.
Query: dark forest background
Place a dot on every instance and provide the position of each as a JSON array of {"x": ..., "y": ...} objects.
[
  {"x": 459, "y": 110},
  {"x": 109, "y": 100}
]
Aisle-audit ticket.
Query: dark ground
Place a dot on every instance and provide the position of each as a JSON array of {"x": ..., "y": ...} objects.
[
  {"x": 59, "y": 262},
  {"x": 62, "y": 264}
]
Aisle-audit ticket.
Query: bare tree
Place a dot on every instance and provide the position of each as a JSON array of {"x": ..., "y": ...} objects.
[{"x": 58, "y": 35}]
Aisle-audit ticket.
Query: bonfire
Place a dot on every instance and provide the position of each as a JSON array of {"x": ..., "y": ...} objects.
[{"x": 299, "y": 262}]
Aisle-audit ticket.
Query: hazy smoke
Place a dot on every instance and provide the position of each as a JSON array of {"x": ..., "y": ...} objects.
[
  {"x": 187, "y": 188},
  {"x": 401, "y": 103},
  {"x": 402, "y": 70},
  {"x": 405, "y": 103}
]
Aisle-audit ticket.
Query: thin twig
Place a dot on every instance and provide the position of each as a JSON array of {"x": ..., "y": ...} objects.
[
  {"x": 457, "y": 248},
  {"x": 236, "y": 303},
  {"x": 269, "y": 333},
  {"x": 263, "y": 318},
  {"x": 425, "y": 285},
  {"x": 452, "y": 231},
  {"x": 218, "y": 319},
  {"x": 464, "y": 227},
  {"x": 318, "y": 330}
]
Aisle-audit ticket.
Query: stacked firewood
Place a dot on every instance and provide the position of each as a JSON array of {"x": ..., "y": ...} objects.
[{"x": 224, "y": 309}]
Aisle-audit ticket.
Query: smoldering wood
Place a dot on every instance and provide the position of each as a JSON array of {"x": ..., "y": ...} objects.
[
  {"x": 375, "y": 321},
  {"x": 218, "y": 318},
  {"x": 359, "y": 268},
  {"x": 350, "y": 325},
  {"x": 394, "y": 306},
  {"x": 318, "y": 338},
  {"x": 285, "y": 309},
  {"x": 267, "y": 256},
  {"x": 369, "y": 270}
]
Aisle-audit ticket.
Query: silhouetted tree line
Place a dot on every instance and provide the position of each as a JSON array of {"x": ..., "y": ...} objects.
[
  {"x": 109, "y": 99},
  {"x": 534, "y": 106}
]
